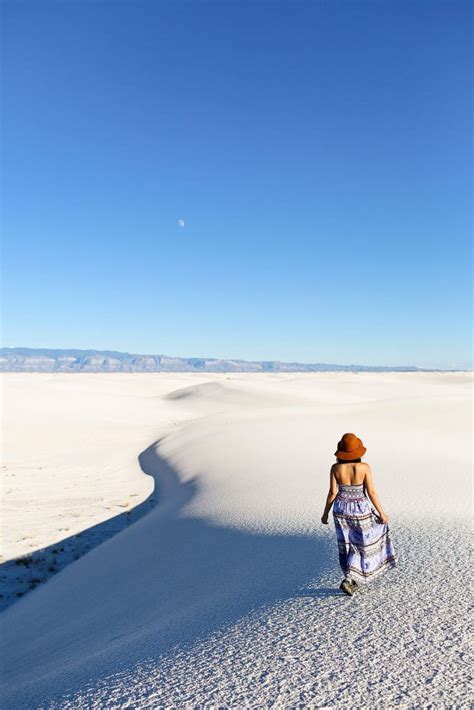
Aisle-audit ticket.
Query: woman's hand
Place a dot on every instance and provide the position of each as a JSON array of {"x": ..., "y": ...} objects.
[
  {"x": 324, "y": 519},
  {"x": 384, "y": 518}
]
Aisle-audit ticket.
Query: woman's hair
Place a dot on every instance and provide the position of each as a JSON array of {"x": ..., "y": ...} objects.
[{"x": 351, "y": 461}]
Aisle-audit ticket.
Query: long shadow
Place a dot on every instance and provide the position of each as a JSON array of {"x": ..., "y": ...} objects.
[
  {"x": 25, "y": 573},
  {"x": 165, "y": 582}
]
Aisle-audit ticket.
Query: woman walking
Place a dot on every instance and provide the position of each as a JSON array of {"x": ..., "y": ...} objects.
[{"x": 363, "y": 536}]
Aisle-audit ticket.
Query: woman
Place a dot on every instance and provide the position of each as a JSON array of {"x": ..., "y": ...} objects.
[{"x": 363, "y": 537}]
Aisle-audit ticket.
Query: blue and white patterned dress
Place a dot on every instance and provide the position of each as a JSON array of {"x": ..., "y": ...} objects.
[{"x": 364, "y": 544}]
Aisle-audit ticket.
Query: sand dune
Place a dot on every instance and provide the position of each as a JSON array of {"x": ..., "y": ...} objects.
[{"x": 225, "y": 591}]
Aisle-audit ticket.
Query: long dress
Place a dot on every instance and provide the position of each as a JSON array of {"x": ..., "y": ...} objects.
[{"x": 364, "y": 544}]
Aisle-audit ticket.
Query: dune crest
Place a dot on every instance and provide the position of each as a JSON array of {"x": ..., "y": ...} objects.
[{"x": 231, "y": 576}]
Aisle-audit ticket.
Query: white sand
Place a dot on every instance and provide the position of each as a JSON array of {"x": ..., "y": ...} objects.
[{"x": 224, "y": 591}]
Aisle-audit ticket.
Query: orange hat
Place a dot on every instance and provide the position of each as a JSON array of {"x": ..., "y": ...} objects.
[{"x": 350, "y": 447}]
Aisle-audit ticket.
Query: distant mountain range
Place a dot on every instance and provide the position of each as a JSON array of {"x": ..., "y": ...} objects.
[{"x": 52, "y": 360}]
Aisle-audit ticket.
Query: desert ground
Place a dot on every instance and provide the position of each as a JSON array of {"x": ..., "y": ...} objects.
[{"x": 162, "y": 544}]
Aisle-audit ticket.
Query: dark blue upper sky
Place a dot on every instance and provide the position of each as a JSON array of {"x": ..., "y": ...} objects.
[{"x": 319, "y": 154}]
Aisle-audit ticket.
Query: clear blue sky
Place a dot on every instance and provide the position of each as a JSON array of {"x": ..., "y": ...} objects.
[{"x": 318, "y": 152}]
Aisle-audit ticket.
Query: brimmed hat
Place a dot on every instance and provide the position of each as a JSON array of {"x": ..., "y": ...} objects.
[{"x": 350, "y": 447}]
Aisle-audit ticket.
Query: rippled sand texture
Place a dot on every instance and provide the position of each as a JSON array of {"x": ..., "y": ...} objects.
[{"x": 195, "y": 571}]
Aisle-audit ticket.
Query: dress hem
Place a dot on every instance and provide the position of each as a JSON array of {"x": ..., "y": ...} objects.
[{"x": 360, "y": 577}]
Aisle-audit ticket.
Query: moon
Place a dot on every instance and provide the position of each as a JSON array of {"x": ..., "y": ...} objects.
[{"x": 181, "y": 222}]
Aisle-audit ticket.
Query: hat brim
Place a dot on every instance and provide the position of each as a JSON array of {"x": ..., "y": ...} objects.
[{"x": 349, "y": 455}]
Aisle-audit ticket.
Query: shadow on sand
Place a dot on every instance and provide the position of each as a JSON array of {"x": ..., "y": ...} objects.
[
  {"x": 27, "y": 572},
  {"x": 166, "y": 580}
]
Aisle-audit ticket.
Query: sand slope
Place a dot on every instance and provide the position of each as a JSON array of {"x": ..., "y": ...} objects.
[{"x": 226, "y": 592}]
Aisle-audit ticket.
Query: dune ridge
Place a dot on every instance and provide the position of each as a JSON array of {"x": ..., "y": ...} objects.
[{"x": 226, "y": 591}]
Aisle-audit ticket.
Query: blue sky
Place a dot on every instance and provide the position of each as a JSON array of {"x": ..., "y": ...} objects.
[{"x": 319, "y": 154}]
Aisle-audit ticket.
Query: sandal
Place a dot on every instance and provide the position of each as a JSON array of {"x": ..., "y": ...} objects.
[{"x": 347, "y": 587}]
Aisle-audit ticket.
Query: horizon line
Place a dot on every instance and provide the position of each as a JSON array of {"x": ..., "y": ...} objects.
[{"x": 238, "y": 359}]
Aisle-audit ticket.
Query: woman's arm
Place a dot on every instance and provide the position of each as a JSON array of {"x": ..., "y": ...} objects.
[
  {"x": 372, "y": 493},
  {"x": 333, "y": 491}
]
